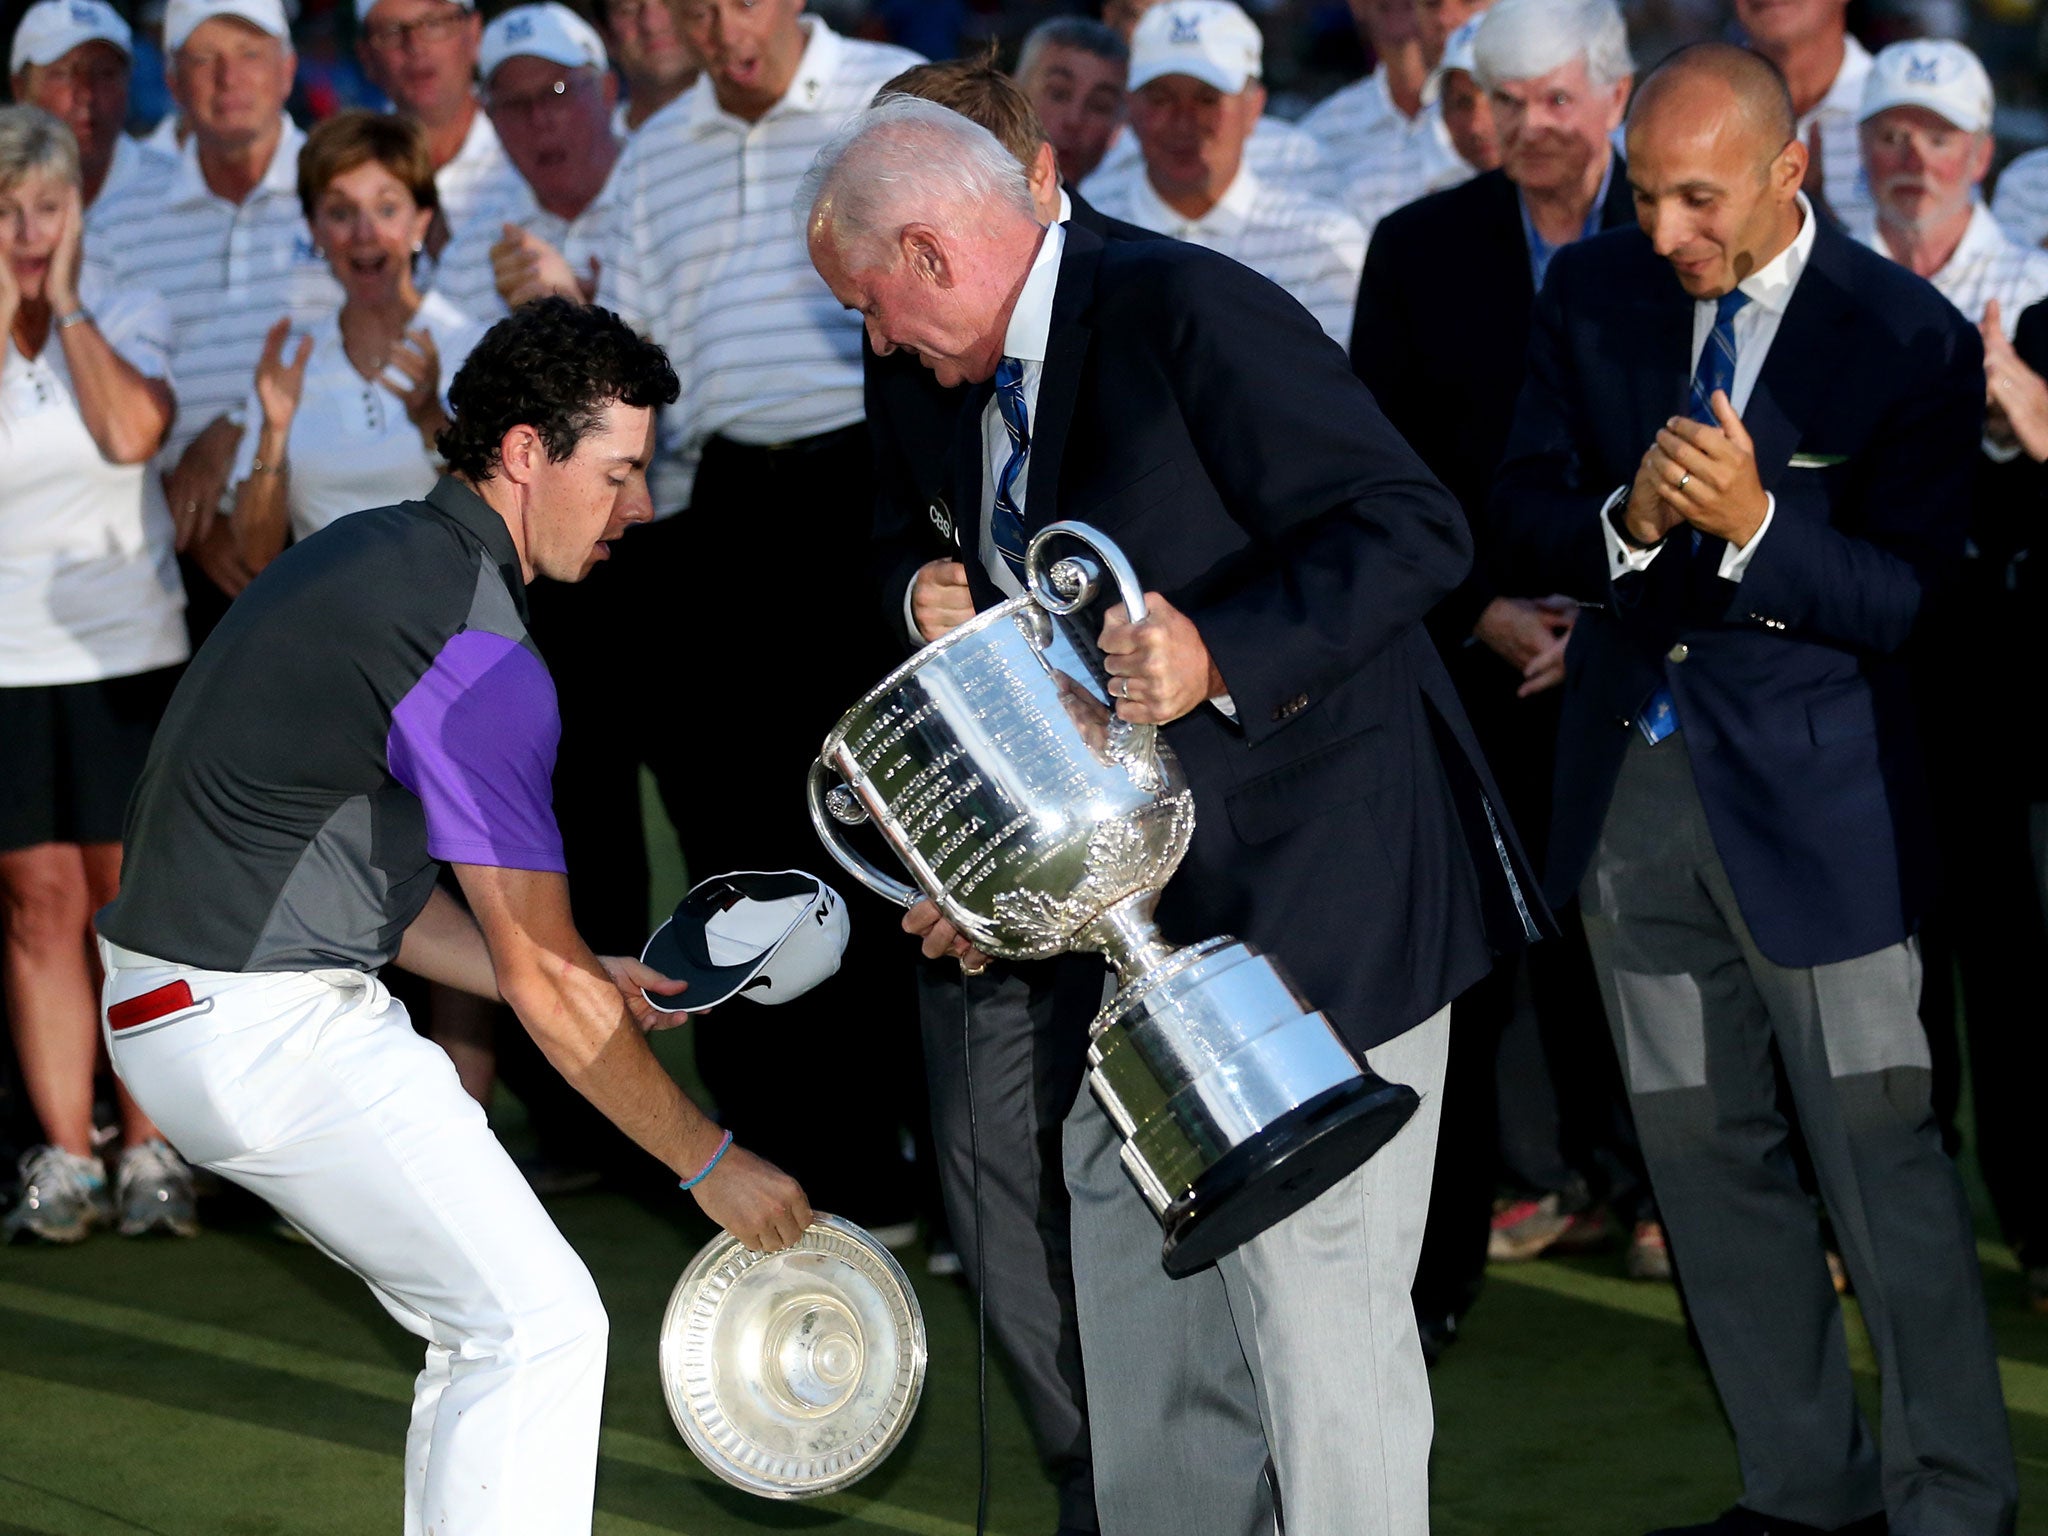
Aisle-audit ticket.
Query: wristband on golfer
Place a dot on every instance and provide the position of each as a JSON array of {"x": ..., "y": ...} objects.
[{"x": 705, "y": 1172}]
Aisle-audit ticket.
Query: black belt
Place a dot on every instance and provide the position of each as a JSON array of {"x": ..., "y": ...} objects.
[{"x": 796, "y": 447}]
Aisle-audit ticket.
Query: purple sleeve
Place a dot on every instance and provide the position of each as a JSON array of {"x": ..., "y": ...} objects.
[{"x": 475, "y": 739}]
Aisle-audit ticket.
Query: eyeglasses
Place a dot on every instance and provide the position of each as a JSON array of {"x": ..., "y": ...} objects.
[
  {"x": 697, "y": 13},
  {"x": 395, "y": 35}
]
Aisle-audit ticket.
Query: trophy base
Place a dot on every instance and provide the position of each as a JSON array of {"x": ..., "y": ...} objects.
[{"x": 1261, "y": 1182}]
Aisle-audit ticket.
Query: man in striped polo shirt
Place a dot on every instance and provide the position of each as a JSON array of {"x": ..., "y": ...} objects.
[
  {"x": 763, "y": 487},
  {"x": 225, "y": 242},
  {"x": 1195, "y": 95}
]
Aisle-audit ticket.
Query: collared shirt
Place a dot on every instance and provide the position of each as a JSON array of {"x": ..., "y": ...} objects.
[
  {"x": 479, "y": 175},
  {"x": 1420, "y": 160},
  {"x": 464, "y": 276},
  {"x": 1841, "y": 157},
  {"x": 227, "y": 271},
  {"x": 136, "y": 163},
  {"x": 1029, "y": 334},
  {"x": 373, "y": 707},
  {"x": 351, "y": 444},
  {"x": 1281, "y": 152},
  {"x": 703, "y": 252},
  {"x": 1988, "y": 263},
  {"x": 2020, "y": 202},
  {"x": 1770, "y": 289},
  {"x": 1313, "y": 249},
  {"x": 1541, "y": 250},
  {"x": 1347, "y": 120},
  {"x": 89, "y": 586}
]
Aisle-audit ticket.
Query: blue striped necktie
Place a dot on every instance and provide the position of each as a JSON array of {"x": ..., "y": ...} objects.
[
  {"x": 1006, "y": 522},
  {"x": 1716, "y": 370}
]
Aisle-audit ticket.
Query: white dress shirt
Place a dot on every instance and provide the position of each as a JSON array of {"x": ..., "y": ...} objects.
[
  {"x": 1756, "y": 326},
  {"x": 1026, "y": 339},
  {"x": 1313, "y": 249}
]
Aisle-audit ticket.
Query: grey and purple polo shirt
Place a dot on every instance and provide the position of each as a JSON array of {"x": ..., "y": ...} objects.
[{"x": 369, "y": 708}]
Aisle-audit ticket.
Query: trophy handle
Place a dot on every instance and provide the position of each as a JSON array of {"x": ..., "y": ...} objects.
[
  {"x": 826, "y": 817},
  {"x": 1072, "y": 583}
]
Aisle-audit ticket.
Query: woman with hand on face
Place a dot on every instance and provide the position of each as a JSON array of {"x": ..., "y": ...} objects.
[
  {"x": 345, "y": 418},
  {"x": 92, "y": 638}
]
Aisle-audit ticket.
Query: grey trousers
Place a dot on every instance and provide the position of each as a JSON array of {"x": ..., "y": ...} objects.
[
  {"x": 1299, "y": 1349},
  {"x": 1704, "y": 1024},
  {"x": 994, "y": 1034}
]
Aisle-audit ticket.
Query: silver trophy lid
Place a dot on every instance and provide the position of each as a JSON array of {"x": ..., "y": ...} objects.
[{"x": 793, "y": 1374}]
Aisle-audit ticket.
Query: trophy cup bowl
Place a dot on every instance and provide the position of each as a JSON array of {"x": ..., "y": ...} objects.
[
  {"x": 793, "y": 1374},
  {"x": 995, "y": 767}
]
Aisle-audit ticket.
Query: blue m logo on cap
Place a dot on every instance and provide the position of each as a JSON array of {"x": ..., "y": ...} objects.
[
  {"x": 1184, "y": 31},
  {"x": 1924, "y": 68},
  {"x": 85, "y": 15},
  {"x": 519, "y": 29}
]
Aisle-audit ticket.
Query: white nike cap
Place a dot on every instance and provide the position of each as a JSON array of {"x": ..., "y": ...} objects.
[
  {"x": 544, "y": 31},
  {"x": 1210, "y": 40},
  {"x": 182, "y": 18},
  {"x": 1944, "y": 77},
  {"x": 52, "y": 28},
  {"x": 767, "y": 936}
]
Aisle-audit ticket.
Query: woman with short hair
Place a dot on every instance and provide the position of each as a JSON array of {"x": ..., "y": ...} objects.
[
  {"x": 347, "y": 421},
  {"x": 92, "y": 637}
]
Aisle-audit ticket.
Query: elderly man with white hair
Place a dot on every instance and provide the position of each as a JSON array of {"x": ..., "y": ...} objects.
[
  {"x": 1290, "y": 544},
  {"x": 1195, "y": 101}
]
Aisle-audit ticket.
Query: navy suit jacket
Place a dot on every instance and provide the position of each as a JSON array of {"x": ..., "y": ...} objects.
[
  {"x": 1790, "y": 685},
  {"x": 1345, "y": 821},
  {"x": 1441, "y": 337}
]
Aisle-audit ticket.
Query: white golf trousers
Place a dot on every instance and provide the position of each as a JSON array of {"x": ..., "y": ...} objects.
[{"x": 311, "y": 1090}]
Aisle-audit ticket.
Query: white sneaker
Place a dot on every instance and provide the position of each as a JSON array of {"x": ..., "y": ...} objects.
[
  {"x": 155, "y": 1191},
  {"x": 63, "y": 1197}
]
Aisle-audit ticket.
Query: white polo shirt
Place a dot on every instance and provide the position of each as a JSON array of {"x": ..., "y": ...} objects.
[
  {"x": 479, "y": 174},
  {"x": 1313, "y": 249},
  {"x": 704, "y": 252},
  {"x": 1279, "y": 151},
  {"x": 226, "y": 270},
  {"x": 136, "y": 163},
  {"x": 1395, "y": 165},
  {"x": 1987, "y": 264},
  {"x": 464, "y": 278},
  {"x": 351, "y": 445},
  {"x": 2021, "y": 200},
  {"x": 89, "y": 586},
  {"x": 1841, "y": 148}
]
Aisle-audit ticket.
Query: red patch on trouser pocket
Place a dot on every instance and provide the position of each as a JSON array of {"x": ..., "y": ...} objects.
[{"x": 155, "y": 1004}]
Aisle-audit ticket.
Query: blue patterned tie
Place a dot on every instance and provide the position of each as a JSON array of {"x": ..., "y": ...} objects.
[
  {"x": 1006, "y": 522},
  {"x": 1716, "y": 370}
]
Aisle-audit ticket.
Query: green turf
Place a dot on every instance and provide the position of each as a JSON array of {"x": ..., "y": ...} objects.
[{"x": 239, "y": 1385}]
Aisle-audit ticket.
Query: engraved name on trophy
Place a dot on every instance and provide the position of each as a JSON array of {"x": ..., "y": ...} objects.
[{"x": 994, "y": 766}]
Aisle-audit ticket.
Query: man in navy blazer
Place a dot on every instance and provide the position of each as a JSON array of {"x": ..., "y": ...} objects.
[
  {"x": 1291, "y": 544},
  {"x": 1746, "y": 443}
]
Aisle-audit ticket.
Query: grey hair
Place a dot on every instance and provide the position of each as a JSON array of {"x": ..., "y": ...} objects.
[
  {"x": 32, "y": 140},
  {"x": 908, "y": 160},
  {"x": 1076, "y": 32},
  {"x": 1521, "y": 39}
]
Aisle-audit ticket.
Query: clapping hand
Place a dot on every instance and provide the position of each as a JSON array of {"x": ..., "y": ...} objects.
[
  {"x": 1708, "y": 475},
  {"x": 412, "y": 371},
  {"x": 279, "y": 384},
  {"x": 526, "y": 267},
  {"x": 2015, "y": 397}
]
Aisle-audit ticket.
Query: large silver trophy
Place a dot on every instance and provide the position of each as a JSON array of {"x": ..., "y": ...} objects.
[{"x": 995, "y": 768}]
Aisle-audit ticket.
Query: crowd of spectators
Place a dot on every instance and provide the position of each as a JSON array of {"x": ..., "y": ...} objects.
[{"x": 226, "y": 330}]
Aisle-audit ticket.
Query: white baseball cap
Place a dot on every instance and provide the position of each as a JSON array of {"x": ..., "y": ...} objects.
[
  {"x": 765, "y": 935},
  {"x": 1210, "y": 40},
  {"x": 543, "y": 31},
  {"x": 364, "y": 7},
  {"x": 1944, "y": 77},
  {"x": 52, "y": 28},
  {"x": 182, "y": 18},
  {"x": 1458, "y": 54}
]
